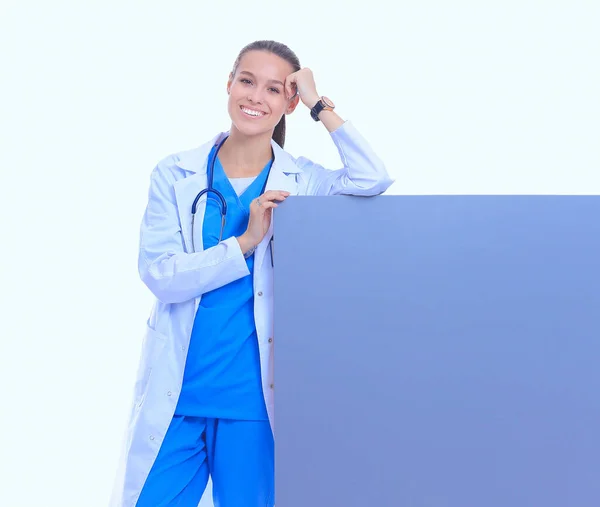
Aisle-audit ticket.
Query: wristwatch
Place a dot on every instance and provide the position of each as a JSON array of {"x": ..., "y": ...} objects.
[{"x": 324, "y": 104}]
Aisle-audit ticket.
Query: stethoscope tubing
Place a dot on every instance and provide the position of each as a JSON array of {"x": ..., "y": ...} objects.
[{"x": 223, "y": 203}]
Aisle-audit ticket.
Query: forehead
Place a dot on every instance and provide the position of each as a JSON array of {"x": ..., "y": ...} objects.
[{"x": 265, "y": 65}]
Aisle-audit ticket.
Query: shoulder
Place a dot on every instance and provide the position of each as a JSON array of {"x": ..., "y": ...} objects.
[
  {"x": 169, "y": 166},
  {"x": 184, "y": 163},
  {"x": 290, "y": 163},
  {"x": 168, "y": 171},
  {"x": 164, "y": 175}
]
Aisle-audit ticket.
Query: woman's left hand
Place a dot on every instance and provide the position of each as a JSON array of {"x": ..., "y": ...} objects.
[{"x": 303, "y": 82}]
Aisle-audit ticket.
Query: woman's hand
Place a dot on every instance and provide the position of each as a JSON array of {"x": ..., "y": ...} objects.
[
  {"x": 302, "y": 82},
  {"x": 261, "y": 210}
]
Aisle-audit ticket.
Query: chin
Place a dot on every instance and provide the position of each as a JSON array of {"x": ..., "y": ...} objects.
[{"x": 253, "y": 129}]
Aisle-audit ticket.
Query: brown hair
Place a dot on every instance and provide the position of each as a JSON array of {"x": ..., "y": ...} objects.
[{"x": 281, "y": 50}]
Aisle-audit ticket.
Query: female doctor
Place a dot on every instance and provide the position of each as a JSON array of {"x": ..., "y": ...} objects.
[{"x": 204, "y": 392}]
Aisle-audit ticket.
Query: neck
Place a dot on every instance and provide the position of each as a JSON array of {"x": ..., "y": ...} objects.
[{"x": 245, "y": 153}]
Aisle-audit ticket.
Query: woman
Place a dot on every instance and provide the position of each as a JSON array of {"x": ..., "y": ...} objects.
[{"x": 204, "y": 396}]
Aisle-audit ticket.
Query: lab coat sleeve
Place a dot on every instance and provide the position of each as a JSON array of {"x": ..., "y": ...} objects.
[
  {"x": 168, "y": 271},
  {"x": 363, "y": 173}
]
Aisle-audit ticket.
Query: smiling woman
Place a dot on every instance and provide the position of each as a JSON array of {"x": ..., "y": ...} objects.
[
  {"x": 263, "y": 66},
  {"x": 203, "y": 403}
]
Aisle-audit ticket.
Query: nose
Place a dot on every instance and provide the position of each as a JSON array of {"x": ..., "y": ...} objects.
[{"x": 256, "y": 95}]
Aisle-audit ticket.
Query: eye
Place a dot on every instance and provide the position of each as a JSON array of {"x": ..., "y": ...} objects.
[
  {"x": 275, "y": 90},
  {"x": 245, "y": 80}
]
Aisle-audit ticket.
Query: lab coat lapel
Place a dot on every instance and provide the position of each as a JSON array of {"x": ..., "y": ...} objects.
[
  {"x": 186, "y": 190},
  {"x": 282, "y": 177}
]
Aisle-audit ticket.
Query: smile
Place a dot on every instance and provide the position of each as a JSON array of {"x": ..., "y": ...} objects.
[{"x": 252, "y": 112}]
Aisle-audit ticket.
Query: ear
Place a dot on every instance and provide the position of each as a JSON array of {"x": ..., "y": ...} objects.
[
  {"x": 292, "y": 104},
  {"x": 229, "y": 81}
]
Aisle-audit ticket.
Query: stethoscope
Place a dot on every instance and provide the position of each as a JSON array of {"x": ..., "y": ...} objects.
[{"x": 220, "y": 199}]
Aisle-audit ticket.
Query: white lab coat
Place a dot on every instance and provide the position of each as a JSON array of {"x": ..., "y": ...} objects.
[{"x": 178, "y": 278}]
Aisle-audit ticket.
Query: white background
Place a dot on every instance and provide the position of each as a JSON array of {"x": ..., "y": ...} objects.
[{"x": 456, "y": 97}]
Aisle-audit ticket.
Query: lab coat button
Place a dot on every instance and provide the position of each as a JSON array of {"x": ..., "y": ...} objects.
[
  {"x": 272, "y": 386},
  {"x": 169, "y": 393},
  {"x": 151, "y": 437},
  {"x": 270, "y": 340},
  {"x": 260, "y": 293}
]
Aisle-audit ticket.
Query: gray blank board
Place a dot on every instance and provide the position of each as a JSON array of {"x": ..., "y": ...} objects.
[{"x": 437, "y": 351}]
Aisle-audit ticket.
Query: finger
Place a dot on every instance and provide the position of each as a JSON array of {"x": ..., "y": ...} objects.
[
  {"x": 290, "y": 86},
  {"x": 267, "y": 196},
  {"x": 261, "y": 204},
  {"x": 293, "y": 91},
  {"x": 274, "y": 194},
  {"x": 275, "y": 199},
  {"x": 264, "y": 201},
  {"x": 263, "y": 209}
]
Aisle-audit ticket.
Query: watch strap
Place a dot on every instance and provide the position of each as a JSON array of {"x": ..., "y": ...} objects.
[{"x": 316, "y": 109}]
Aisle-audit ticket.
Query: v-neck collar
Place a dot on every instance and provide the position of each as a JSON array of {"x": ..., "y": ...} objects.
[{"x": 253, "y": 190}]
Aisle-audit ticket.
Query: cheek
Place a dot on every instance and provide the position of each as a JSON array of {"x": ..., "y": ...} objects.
[
  {"x": 233, "y": 93},
  {"x": 233, "y": 100},
  {"x": 278, "y": 104},
  {"x": 236, "y": 92}
]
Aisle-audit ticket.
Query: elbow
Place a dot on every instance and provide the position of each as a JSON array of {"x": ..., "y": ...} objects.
[
  {"x": 367, "y": 186},
  {"x": 160, "y": 286},
  {"x": 385, "y": 183},
  {"x": 385, "y": 180},
  {"x": 381, "y": 182}
]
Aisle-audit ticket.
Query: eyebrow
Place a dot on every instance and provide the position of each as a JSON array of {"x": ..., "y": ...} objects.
[{"x": 252, "y": 75}]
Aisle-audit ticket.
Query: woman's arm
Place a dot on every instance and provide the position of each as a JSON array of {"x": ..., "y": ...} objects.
[
  {"x": 167, "y": 270},
  {"x": 363, "y": 173}
]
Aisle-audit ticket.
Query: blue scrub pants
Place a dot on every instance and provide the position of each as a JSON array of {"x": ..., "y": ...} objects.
[{"x": 238, "y": 455}]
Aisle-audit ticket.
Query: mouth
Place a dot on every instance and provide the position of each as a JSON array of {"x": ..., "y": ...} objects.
[{"x": 252, "y": 113}]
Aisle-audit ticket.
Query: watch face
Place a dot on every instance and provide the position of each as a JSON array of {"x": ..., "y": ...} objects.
[{"x": 328, "y": 102}]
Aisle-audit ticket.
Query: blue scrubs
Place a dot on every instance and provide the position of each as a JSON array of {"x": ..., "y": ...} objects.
[
  {"x": 222, "y": 377},
  {"x": 221, "y": 427},
  {"x": 238, "y": 455}
]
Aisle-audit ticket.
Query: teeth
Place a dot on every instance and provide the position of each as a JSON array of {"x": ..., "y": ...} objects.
[{"x": 252, "y": 113}]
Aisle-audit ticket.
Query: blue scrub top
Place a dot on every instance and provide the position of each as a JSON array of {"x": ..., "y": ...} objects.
[{"x": 222, "y": 377}]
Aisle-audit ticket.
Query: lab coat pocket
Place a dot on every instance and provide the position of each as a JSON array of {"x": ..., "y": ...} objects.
[{"x": 152, "y": 347}]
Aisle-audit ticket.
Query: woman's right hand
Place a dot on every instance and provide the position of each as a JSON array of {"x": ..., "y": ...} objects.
[{"x": 261, "y": 210}]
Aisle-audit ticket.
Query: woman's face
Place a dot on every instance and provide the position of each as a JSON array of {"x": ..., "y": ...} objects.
[{"x": 257, "y": 97}]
